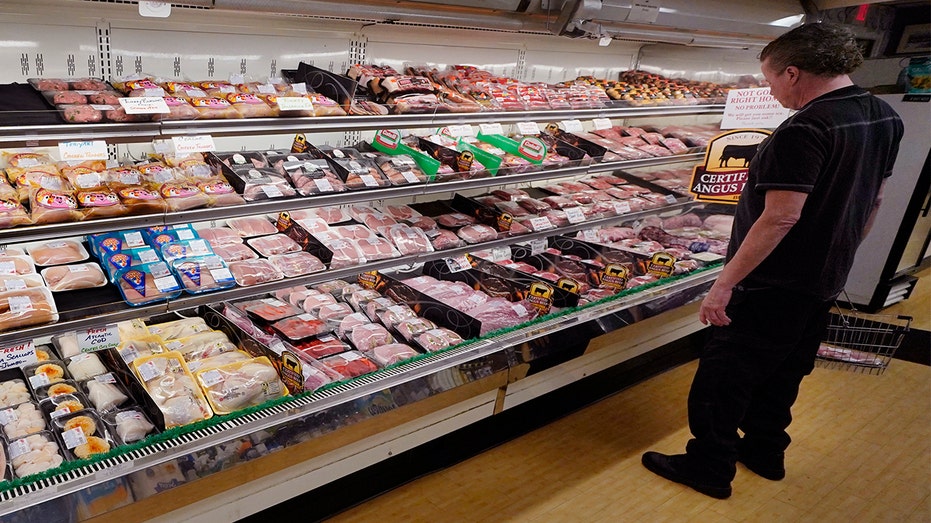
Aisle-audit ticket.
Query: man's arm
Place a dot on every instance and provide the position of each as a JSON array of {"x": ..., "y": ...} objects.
[
  {"x": 876, "y": 204},
  {"x": 782, "y": 211}
]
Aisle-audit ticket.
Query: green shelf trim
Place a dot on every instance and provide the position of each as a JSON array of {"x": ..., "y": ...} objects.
[{"x": 175, "y": 432}]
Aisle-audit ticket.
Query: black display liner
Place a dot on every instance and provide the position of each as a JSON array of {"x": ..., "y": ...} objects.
[
  {"x": 452, "y": 158},
  {"x": 640, "y": 262},
  {"x": 494, "y": 285},
  {"x": 560, "y": 297},
  {"x": 497, "y": 220},
  {"x": 596, "y": 151},
  {"x": 22, "y": 105},
  {"x": 547, "y": 262},
  {"x": 577, "y": 156}
]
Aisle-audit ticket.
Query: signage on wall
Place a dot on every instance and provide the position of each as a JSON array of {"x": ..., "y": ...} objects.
[
  {"x": 752, "y": 109},
  {"x": 727, "y": 164}
]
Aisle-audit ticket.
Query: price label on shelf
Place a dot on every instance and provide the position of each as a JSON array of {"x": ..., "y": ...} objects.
[
  {"x": 537, "y": 246},
  {"x": 491, "y": 128},
  {"x": 540, "y": 223},
  {"x": 458, "y": 264},
  {"x": 295, "y": 103},
  {"x": 621, "y": 207},
  {"x": 590, "y": 235},
  {"x": 572, "y": 126},
  {"x": 323, "y": 184},
  {"x": 81, "y": 151},
  {"x": 144, "y": 105},
  {"x": 575, "y": 215},
  {"x": 198, "y": 143},
  {"x": 601, "y": 123},
  {"x": 528, "y": 128},
  {"x": 90, "y": 340},
  {"x": 458, "y": 131}
]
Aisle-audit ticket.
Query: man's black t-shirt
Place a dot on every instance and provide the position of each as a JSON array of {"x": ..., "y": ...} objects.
[{"x": 838, "y": 148}]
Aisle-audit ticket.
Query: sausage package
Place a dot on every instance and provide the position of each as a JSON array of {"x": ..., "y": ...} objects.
[{"x": 148, "y": 283}]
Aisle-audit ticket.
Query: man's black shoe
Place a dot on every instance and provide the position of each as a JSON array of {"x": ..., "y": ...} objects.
[
  {"x": 674, "y": 468},
  {"x": 771, "y": 466}
]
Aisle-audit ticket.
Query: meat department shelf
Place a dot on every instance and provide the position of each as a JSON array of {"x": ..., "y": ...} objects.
[
  {"x": 85, "y": 477},
  {"x": 119, "y": 311},
  {"x": 61, "y": 230},
  {"x": 35, "y": 135}
]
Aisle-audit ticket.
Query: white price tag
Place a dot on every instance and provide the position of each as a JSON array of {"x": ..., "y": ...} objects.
[
  {"x": 14, "y": 285},
  {"x": 221, "y": 275},
  {"x": 540, "y": 223},
  {"x": 267, "y": 89},
  {"x": 78, "y": 268},
  {"x": 323, "y": 184},
  {"x": 526, "y": 128},
  {"x": 148, "y": 256},
  {"x": 601, "y": 124},
  {"x": 38, "y": 380},
  {"x": 299, "y": 87},
  {"x": 295, "y": 103},
  {"x": 670, "y": 199},
  {"x": 80, "y": 151},
  {"x": 166, "y": 283},
  {"x": 410, "y": 176},
  {"x": 200, "y": 143},
  {"x": 19, "y": 304},
  {"x": 572, "y": 126},
  {"x": 90, "y": 340},
  {"x": 73, "y": 437},
  {"x": 185, "y": 234},
  {"x": 7, "y": 416},
  {"x": 500, "y": 253},
  {"x": 590, "y": 235},
  {"x": 149, "y": 371},
  {"x": 491, "y": 128},
  {"x": 133, "y": 240},
  {"x": 18, "y": 448},
  {"x": 458, "y": 264},
  {"x": 368, "y": 180},
  {"x": 537, "y": 246},
  {"x": 272, "y": 191},
  {"x": 7, "y": 268},
  {"x": 351, "y": 356},
  {"x": 211, "y": 377},
  {"x": 621, "y": 207},
  {"x": 144, "y": 105},
  {"x": 129, "y": 354},
  {"x": 198, "y": 247},
  {"x": 63, "y": 411},
  {"x": 459, "y": 131},
  {"x": 575, "y": 214},
  {"x": 105, "y": 378}
]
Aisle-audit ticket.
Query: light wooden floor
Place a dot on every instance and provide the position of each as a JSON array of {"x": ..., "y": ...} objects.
[{"x": 861, "y": 453}]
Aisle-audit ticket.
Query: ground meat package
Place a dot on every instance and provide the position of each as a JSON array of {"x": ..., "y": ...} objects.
[{"x": 349, "y": 364}]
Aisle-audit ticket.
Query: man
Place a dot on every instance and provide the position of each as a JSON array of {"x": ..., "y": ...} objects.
[{"x": 813, "y": 189}]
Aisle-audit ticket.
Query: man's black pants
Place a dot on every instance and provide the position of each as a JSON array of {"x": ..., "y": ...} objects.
[{"x": 749, "y": 374}]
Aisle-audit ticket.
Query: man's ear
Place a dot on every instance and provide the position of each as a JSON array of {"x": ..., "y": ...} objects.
[{"x": 793, "y": 73}]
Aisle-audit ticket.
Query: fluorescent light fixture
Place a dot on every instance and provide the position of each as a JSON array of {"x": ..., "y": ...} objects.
[
  {"x": 788, "y": 21},
  {"x": 18, "y": 43}
]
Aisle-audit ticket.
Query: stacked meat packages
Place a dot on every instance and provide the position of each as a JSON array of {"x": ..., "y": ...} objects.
[
  {"x": 84, "y": 100},
  {"x": 25, "y": 296},
  {"x": 643, "y": 89},
  {"x": 635, "y": 143}
]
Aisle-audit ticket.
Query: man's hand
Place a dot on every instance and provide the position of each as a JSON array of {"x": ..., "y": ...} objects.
[{"x": 712, "y": 307}]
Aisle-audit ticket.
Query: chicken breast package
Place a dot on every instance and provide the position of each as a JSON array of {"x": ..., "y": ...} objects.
[
  {"x": 202, "y": 345},
  {"x": 219, "y": 236},
  {"x": 16, "y": 265},
  {"x": 172, "y": 330},
  {"x": 180, "y": 250},
  {"x": 74, "y": 277},
  {"x": 57, "y": 252},
  {"x": 25, "y": 307},
  {"x": 240, "y": 385},
  {"x": 203, "y": 274},
  {"x": 235, "y": 252},
  {"x": 172, "y": 387},
  {"x": 115, "y": 262},
  {"x": 148, "y": 283},
  {"x": 250, "y": 226}
]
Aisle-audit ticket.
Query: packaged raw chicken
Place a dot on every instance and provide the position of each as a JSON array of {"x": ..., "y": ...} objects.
[
  {"x": 330, "y": 214},
  {"x": 73, "y": 277},
  {"x": 249, "y": 226},
  {"x": 178, "y": 109},
  {"x": 376, "y": 248},
  {"x": 242, "y": 384},
  {"x": 113, "y": 263},
  {"x": 199, "y": 274},
  {"x": 13, "y": 214},
  {"x": 53, "y": 206},
  {"x": 183, "y": 196},
  {"x": 220, "y": 192},
  {"x": 251, "y": 106},
  {"x": 213, "y": 108},
  {"x": 25, "y": 307},
  {"x": 235, "y": 252},
  {"x": 16, "y": 282},
  {"x": 148, "y": 283},
  {"x": 177, "y": 250},
  {"x": 220, "y": 236},
  {"x": 182, "y": 328},
  {"x": 16, "y": 265},
  {"x": 345, "y": 253},
  {"x": 274, "y": 244},
  {"x": 57, "y": 252},
  {"x": 141, "y": 198},
  {"x": 171, "y": 386},
  {"x": 206, "y": 344},
  {"x": 218, "y": 360},
  {"x": 376, "y": 221},
  {"x": 296, "y": 263},
  {"x": 254, "y": 272}
]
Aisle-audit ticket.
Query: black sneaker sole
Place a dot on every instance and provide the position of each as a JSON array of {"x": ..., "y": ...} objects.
[
  {"x": 651, "y": 462},
  {"x": 772, "y": 474}
]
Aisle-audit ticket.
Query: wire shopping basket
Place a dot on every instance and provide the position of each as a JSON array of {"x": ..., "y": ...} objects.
[{"x": 861, "y": 342}]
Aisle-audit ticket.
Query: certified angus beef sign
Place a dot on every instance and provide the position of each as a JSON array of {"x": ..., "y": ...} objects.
[{"x": 727, "y": 163}]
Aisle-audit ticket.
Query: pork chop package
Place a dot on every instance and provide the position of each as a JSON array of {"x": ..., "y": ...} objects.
[
  {"x": 307, "y": 174},
  {"x": 254, "y": 272},
  {"x": 256, "y": 184}
]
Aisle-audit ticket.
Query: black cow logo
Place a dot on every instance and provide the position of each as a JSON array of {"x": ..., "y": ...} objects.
[{"x": 743, "y": 152}]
